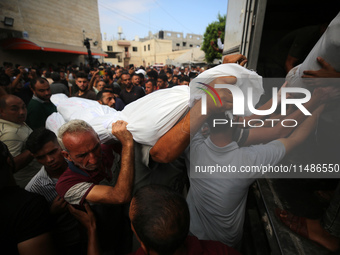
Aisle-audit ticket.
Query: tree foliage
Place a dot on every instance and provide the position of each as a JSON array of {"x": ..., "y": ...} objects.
[{"x": 211, "y": 35}]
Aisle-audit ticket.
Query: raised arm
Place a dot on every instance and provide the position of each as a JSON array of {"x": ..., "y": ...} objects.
[
  {"x": 89, "y": 222},
  {"x": 92, "y": 81},
  {"x": 303, "y": 131},
  {"x": 267, "y": 134},
  {"x": 174, "y": 142},
  {"x": 121, "y": 192}
]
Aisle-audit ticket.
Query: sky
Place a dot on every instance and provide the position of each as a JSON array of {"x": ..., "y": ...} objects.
[{"x": 137, "y": 17}]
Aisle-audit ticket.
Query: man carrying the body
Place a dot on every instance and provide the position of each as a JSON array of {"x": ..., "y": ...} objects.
[{"x": 94, "y": 175}]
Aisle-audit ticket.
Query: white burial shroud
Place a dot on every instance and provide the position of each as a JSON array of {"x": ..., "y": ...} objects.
[{"x": 151, "y": 116}]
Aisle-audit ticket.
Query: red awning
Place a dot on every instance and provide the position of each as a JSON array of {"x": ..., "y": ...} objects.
[{"x": 23, "y": 44}]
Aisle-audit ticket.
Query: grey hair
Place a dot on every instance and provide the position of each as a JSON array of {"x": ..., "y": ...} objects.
[{"x": 73, "y": 126}]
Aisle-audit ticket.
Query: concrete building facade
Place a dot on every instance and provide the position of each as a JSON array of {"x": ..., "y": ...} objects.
[
  {"x": 48, "y": 31},
  {"x": 145, "y": 53},
  {"x": 179, "y": 42}
]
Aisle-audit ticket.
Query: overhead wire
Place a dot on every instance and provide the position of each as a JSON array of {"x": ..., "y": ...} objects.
[
  {"x": 187, "y": 29},
  {"x": 124, "y": 15}
]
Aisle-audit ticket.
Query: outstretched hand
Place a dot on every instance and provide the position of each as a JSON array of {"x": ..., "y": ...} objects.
[{"x": 326, "y": 71}]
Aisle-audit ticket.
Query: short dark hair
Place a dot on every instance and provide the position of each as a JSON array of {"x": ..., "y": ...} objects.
[
  {"x": 109, "y": 73},
  {"x": 134, "y": 74},
  {"x": 99, "y": 96},
  {"x": 192, "y": 74},
  {"x": 185, "y": 78},
  {"x": 126, "y": 73},
  {"x": 152, "y": 74},
  {"x": 40, "y": 80},
  {"x": 38, "y": 138},
  {"x": 55, "y": 76},
  {"x": 153, "y": 82},
  {"x": 160, "y": 218},
  {"x": 81, "y": 75},
  {"x": 141, "y": 76},
  {"x": 163, "y": 77}
]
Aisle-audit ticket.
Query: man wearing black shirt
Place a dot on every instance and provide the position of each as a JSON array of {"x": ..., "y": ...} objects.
[{"x": 130, "y": 93}]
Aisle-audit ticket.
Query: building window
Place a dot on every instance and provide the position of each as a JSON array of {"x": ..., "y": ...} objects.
[
  {"x": 148, "y": 47},
  {"x": 134, "y": 49},
  {"x": 184, "y": 44},
  {"x": 109, "y": 48},
  {"x": 190, "y": 45},
  {"x": 144, "y": 47},
  {"x": 177, "y": 44}
]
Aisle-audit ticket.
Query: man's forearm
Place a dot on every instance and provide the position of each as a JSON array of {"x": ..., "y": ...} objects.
[
  {"x": 124, "y": 183},
  {"x": 173, "y": 143},
  {"x": 302, "y": 131}
]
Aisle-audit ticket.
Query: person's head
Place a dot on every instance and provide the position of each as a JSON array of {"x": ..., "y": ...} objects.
[
  {"x": 82, "y": 81},
  {"x": 41, "y": 89},
  {"x": 80, "y": 144},
  {"x": 141, "y": 78},
  {"x": 150, "y": 86},
  {"x": 162, "y": 81},
  {"x": 175, "y": 79},
  {"x": 55, "y": 76},
  {"x": 44, "y": 146},
  {"x": 62, "y": 74},
  {"x": 108, "y": 87},
  {"x": 135, "y": 79},
  {"x": 119, "y": 72},
  {"x": 185, "y": 80},
  {"x": 126, "y": 80},
  {"x": 13, "y": 109},
  {"x": 108, "y": 76},
  {"x": 131, "y": 69},
  {"x": 192, "y": 75},
  {"x": 106, "y": 97},
  {"x": 100, "y": 85},
  {"x": 152, "y": 75},
  {"x": 169, "y": 73},
  {"x": 159, "y": 218}
]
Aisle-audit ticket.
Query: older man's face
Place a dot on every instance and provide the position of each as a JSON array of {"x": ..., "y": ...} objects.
[{"x": 83, "y": 149}]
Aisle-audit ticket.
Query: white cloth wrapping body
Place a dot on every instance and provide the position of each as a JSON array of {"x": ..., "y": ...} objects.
[
  {"x": 328, "y": 47},
  {"x": 148, "y": 118},
  {"x": 151, "y": 116},
  {"x": 245, "y": 79}
]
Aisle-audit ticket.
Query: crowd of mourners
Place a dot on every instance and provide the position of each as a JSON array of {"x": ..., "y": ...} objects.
[
  {"x": 69, "y": 193},
  {"x": 38, "y": 217}
]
